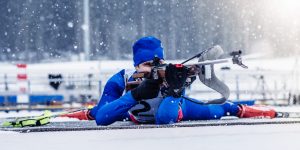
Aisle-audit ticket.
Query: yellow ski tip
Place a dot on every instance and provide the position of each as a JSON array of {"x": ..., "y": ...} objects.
[{"x": 6, "y": 124}]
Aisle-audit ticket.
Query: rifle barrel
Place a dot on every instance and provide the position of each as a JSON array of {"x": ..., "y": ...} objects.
[{"x": 208, "y": 62}]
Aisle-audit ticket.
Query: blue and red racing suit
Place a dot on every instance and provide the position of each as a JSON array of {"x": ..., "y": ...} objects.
[{"x": 117, "y": 105}]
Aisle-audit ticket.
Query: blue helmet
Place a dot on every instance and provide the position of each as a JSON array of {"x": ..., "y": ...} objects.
[{"x": 146, "y": 49}]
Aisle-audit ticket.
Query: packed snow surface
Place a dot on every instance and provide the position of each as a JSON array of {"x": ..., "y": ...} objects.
[
  {"x": 245, "y": 137},
  {"x": 258, "y": 137}
]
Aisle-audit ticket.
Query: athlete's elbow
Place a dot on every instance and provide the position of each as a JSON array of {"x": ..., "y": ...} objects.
[{"x": 103, "y": 120}]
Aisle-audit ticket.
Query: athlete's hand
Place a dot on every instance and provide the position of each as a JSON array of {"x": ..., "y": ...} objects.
[
  {"x": 176, "y": 76},
  {"x": 148, "y": 89}
]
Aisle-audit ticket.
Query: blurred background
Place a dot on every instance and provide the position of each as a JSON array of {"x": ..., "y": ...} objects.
[
  {"x": 34, "y": 31},
  {"x": 62, "y": 51}
]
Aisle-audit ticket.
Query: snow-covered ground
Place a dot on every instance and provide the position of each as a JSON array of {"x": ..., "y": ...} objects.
[
  {"x": 246, "y": 137},
  {"x": 255, "y": 137}
]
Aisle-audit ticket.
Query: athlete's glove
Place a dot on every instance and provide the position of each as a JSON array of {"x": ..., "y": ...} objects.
[
  {"x": 148, "y": 89},
  {"x": 176, "y": 76}
]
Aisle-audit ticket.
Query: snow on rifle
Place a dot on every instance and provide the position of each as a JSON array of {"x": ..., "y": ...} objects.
[{"x": 204, "y": 69}]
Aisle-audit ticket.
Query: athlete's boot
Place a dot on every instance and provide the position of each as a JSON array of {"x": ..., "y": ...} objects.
[
  {"x": 81, "y": 115},
  {"x": 256, "y": 112}
]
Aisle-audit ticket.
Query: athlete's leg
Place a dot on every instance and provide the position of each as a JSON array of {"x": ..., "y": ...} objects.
[{"x": 194, "y": 111}]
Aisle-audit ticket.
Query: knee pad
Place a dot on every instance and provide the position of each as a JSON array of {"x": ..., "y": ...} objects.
[{"x": 169, "y": 111}]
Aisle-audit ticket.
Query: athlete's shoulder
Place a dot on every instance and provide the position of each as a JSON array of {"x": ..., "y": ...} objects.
[
  {"x": 116, "y": 82},
  {"x": 117, "y": 77}
]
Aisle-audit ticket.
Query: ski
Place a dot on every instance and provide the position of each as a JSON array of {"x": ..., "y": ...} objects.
[
  {"x": 91, "y": 125},
  {"x": 29, "y": 121},
  {"x": 287, "y": 114},
  {"x": 32, "y": 121}
]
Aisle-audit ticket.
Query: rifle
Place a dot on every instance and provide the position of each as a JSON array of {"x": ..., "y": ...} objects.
[{"x": 204, "y": 68}]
